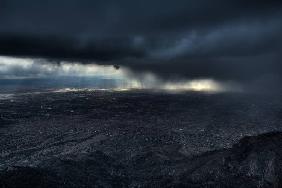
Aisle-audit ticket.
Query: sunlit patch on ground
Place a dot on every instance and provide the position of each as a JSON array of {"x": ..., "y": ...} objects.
[
  {"x": 195, "y": 85},
  {"x": 6, "y": 96}
]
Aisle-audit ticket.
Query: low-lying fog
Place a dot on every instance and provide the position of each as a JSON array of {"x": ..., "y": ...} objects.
[{"x": 23, "y": 73}]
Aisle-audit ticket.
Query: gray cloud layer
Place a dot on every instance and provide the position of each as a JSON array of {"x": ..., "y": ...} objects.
[{"x": 228, "y": 40}]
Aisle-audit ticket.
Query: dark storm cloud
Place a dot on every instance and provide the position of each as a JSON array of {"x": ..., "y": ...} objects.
[
  {"x": 54, "y": 47},
  {"x": 237, "y": 40},
  {"x": 223, "y": 68}
]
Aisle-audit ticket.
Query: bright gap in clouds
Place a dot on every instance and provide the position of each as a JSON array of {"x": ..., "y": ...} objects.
[{"x": 99, "y": 77}]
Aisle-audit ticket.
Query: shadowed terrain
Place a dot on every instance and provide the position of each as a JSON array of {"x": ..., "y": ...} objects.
[
  {"x": 91, "y": 138},
  {"x": 253, "y": 162}
]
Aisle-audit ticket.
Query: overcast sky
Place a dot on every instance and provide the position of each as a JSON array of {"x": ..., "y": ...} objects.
[{"x": 237, "y": 40}]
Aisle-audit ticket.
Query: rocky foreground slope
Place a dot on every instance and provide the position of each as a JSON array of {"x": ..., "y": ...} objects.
[{"x": 253, "y": 162}]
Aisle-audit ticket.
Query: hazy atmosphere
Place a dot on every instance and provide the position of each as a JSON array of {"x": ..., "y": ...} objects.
[
  {"x": 231, "y": 41},
  {"x": 133, "y": 94}
]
